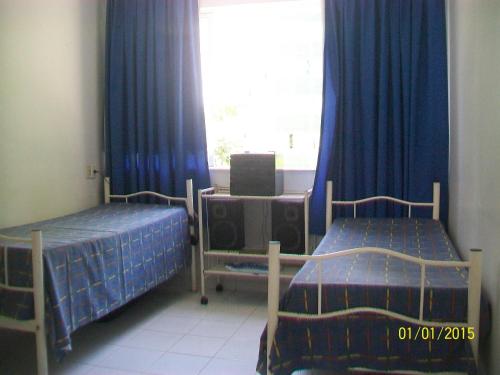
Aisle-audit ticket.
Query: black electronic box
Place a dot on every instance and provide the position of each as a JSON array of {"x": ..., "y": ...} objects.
[{"x": 255, "y": 174}]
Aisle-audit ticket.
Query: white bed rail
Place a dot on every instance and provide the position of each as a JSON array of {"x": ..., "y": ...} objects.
[
  {"x": 474, "y": 290},
  {"x": 307, "y": 196},
  {"x": 329, "y": 202},
  {"x": 36, "y": 325},
  {"x": 188, "y": 201},
  {"x": 169, "y": 199}
]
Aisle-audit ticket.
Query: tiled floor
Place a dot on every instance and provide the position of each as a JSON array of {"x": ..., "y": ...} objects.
[{"x": 164, "y": 332}]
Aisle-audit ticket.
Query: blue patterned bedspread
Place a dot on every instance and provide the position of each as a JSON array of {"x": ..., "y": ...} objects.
[
  {"x": 368, "y": 340},
  {"x": 94, "y": 262}
]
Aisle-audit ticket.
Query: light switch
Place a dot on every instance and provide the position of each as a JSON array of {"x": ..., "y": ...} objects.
[{"x": 91, "y": 171}]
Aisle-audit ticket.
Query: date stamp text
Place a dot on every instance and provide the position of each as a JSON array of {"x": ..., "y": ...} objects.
[{"x": 436, "y": 333}]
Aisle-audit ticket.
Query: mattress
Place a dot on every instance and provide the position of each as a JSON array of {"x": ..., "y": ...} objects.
[
  {"x": 368, "y": 340},
  {"x": 94, "y": 262}
]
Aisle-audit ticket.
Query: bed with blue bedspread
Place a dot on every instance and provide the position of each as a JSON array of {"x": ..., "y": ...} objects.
[
  {"x": 94, "y": 262},
  {"x": 369, "y": 340}
]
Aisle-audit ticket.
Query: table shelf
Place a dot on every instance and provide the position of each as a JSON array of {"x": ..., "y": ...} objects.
[
  {"x": 286, "y": 273},
  {"x": 258, "y": 256},
  {"x": 252, "y": 254}
]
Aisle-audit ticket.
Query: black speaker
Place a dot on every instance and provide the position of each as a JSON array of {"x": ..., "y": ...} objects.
[
  {"x": 226, "y": 224},
  {"x": 288, "y": 225}
]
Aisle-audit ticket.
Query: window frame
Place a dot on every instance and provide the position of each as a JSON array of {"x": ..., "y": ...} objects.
[{"x": 220, "y": 3}]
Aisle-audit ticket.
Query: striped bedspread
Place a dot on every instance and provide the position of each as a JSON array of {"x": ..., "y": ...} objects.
[
  {"x": 94, "y": 262},
  {"x": 368, "y": 340}
]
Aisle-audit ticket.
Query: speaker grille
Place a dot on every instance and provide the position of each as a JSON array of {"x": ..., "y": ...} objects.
[
  {"x": 288, "y": 225},
  {"x": 226, "y": 224}
]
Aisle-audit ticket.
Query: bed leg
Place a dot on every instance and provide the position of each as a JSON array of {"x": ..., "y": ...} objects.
[
  {"x": 436, "y": 197},
  {"x": 190, "y": 208},
  {"x": 273, "y": 291},
  {"x": 107, "y": 182},
  {"x": 204, "y": 299},
  {"x": 474, "y": 299},
  {"x": 39, "y": 300},
  {"x": 41, "y": 352}
]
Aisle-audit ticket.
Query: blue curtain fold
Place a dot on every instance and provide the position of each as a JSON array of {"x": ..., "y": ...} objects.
[
  {"x": 155, "y": 125},
  {"x": 384, "y": 128}
]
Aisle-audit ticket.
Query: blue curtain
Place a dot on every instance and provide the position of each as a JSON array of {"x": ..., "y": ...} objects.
[
  {"x": 155, "y": 133},
  {"x": 384, "y": 127}
]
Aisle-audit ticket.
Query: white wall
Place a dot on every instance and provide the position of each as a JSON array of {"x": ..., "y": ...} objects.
[
  {"x": 51, "y": 76},
  {"x": 475, "y": 144}
]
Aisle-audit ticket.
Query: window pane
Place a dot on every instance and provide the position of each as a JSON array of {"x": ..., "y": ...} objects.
[{"x": 262, "y": 80}]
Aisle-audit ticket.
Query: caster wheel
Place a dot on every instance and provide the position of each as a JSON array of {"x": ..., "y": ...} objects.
[
  {"x": 204, "y": 300},
  {"x": 219, "y": 288}
]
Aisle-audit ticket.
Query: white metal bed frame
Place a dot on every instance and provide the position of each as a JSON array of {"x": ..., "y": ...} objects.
[
  {"x": 188, "y": 201},
  {"x": 37, "y": 324},
  {"x": 473, "y": 265}
]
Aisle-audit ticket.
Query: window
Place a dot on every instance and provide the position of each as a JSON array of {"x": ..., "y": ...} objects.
[{"x": 262, "y": 79}]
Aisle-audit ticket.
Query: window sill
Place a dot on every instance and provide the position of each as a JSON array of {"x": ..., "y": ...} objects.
[
  {"x": 286, "y": 170},
  {"x": 296, "y": 180}
]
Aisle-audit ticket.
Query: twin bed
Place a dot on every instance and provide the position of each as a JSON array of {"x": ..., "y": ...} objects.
[
  {"x": 93, "y": 262},
  {"x": 378, "y": 295}
]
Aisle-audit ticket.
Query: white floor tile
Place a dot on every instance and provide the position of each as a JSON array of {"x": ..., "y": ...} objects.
[
  {"x": 178, "y": 364},
  {"x": 164, "y": 332},
  {"x": 240, "y": 349},
  {"x": 69, "y": 368},
  {"x": 214, "y": 329},
  {"x": 106, "y": 334},
  {"x": 250, "y": 329},
  {"x": 130, "y": 359},
  {"x": 90, "y": 355},
  {"x": 229, "y": 367},
  {"x": 152, "y": 340},
  {"x": 96, "y": 370},
  {"x": 192, "y": 310},
  {"x": 172, "y": 324},
  {"x": 260, "y": 312},
  {"x": 197, "y": 345},
  {"x": 228, "y": 313}
]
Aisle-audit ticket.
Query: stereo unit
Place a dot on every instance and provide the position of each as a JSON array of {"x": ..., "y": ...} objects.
[
  {"x": 226, "y": 224},
  {"x": 255, "y": 174},
  {"x": 288, "y": 225}
]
